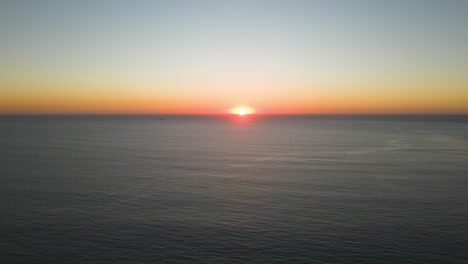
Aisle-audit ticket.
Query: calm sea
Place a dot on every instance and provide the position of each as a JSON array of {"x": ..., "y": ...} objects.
[{"x": 218, "y": 189}]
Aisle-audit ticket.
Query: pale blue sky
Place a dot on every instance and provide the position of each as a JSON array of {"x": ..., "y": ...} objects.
[{"x": 292, "y": 42}]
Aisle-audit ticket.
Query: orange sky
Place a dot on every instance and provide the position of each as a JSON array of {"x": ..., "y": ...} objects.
[{"x": 205, "y": 101}]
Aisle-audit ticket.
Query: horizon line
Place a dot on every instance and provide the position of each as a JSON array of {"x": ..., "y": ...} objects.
[{"x": 229, "y": 114}]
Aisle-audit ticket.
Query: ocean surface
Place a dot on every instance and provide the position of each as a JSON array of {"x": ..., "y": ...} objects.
[{"x": 226, "y": 189}]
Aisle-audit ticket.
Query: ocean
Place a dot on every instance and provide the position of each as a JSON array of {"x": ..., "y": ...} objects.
[{"x": 227, "y": 189}]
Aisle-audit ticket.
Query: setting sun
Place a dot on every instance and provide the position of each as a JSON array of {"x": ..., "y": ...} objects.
[{"x": 242, "y": 110}]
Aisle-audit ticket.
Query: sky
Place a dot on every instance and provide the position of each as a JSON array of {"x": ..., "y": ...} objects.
[{"x": 207, "y": 57}]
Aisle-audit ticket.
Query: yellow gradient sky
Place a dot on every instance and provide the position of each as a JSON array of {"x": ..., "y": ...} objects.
[{"x": 206, "y": 57}]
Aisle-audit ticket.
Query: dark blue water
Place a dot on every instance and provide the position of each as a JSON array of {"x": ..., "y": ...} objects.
[{"x": 188, "y": 189}]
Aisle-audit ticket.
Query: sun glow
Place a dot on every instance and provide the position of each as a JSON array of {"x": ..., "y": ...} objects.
[{"x": 242, "y": 110}]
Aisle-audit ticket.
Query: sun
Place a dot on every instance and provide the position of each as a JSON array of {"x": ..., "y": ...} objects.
[{"x": 242, "y": 110}]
